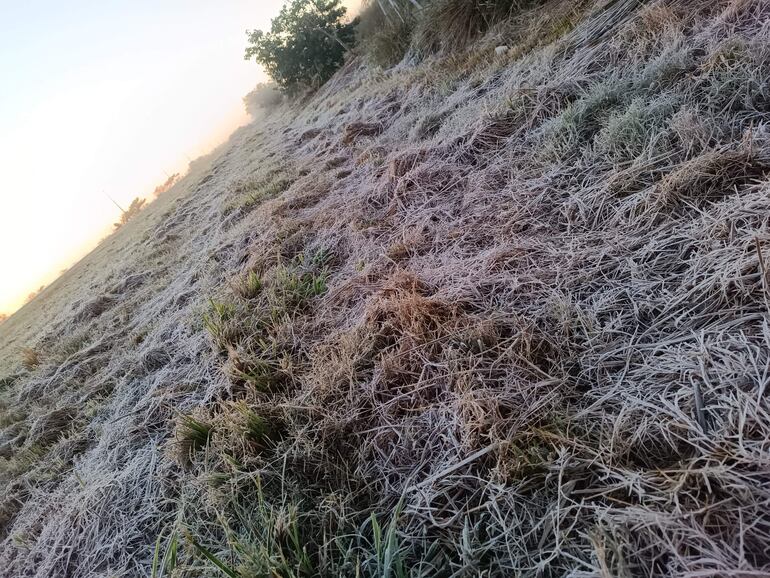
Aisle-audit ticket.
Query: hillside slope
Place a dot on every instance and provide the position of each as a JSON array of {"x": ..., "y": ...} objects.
[{"x": 477, "y": 315}]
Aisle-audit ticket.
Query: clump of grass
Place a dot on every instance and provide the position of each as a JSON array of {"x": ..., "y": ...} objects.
[
  {"x": 692, "y": 130},
  {"x": 387, "y": 30},
  {"x": 52, "y": 425},
  {"x": 263, "y": 366},
  {"x": 280, "y": 548},
  {"x": 30, "y": 358},
  {"x": 192, "y": 434},
  {"x": 293, "y": 288},
  {"x": 628, "y": 133},
  {"x": 713, "y": 174},
  {"x": 8, "y": 381},
  {"x": 269, "y": 531},
  {"x": 736, "y": 76},
  {"x": 446, "y": 25},
  {"x": 10, "y": 416},
  {"x": 220, "y": 311},
  {"x": 21, "y": 462},
  {"x": 72, "y": 343},
  {"x": 374, "y": 156},
  {"x": 299, "y": 281},
  {"x": 254, "y": 427},
  {"x": 387, "y": 554},
  {"x": 249, "y": 335},
  {"x": 252, "y": 193},
  {"x": 580, "y": 121},
  {"x": 249, "y": 286},
  {"x": 385, "y": 34},
  {"x": 429, "y": 125},
  {"x": 219, "y": 320}
]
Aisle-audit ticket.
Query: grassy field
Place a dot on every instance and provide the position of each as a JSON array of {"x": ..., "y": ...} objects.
[{"x": 478, "y": 313}]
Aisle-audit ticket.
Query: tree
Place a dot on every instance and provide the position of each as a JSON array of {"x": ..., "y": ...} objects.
[
  {"x": 132, "y": 211},
  {"x": 306, "y": 44},
  {"x": 162, "y": 188},
  {"x": 34, "y": 294}
]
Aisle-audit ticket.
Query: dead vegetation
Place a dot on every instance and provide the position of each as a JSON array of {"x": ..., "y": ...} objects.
[
  {"x": 525, "y": 335},
  {"x": 30, "y": 358}
]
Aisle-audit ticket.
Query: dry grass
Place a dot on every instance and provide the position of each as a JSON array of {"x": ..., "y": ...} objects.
[
  {"x": 446, "y": 25},
  {"x": 384, "y": 36},
  {"x": 30, "y": 358},
  {"x": 524, "y": 334}
]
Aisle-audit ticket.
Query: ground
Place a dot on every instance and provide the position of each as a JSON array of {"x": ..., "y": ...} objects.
[{"x": 473, "y": 315}]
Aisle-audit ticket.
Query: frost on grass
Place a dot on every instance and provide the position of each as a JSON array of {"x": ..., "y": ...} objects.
[{"x": 470, "y": 316}]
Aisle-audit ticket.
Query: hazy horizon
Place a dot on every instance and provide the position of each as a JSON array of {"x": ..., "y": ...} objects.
[{"x": 107, "y": 100}]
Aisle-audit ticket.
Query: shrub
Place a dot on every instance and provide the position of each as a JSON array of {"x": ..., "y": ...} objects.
[
  {"x": 306, "y": 44},
  {"x": 263, "y": 97}
]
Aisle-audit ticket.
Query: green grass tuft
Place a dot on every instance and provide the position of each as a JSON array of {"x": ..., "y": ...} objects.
[
  {"x": 192, "y": 435},
  {"x": 219, "y": 321},
  {"x": 249, "y": 286}
]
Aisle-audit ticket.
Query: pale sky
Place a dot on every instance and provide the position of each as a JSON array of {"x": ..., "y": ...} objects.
[{"x": 106, "y": 98}]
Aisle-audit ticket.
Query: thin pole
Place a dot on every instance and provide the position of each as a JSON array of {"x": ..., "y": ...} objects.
[{"x": 114, "y": 202}]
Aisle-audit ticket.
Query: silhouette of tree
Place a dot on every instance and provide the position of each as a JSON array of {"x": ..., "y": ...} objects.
[
  {"x": 132, "y": 211},
  {"x": 34, "y": 294},
  {"x": 162, "y": 188}
]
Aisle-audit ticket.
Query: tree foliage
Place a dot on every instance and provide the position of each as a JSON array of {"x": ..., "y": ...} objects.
[
  {"x": 263, "y": 97},
  {"x": 34, "y": 294},
  {"x": 132, "y": 211},
  {"x": 306, "y": 44},
  {"x": 165, "y": 186}
]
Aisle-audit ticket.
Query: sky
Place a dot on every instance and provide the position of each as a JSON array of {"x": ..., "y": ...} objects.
[{"x": 103, "y": 99}]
